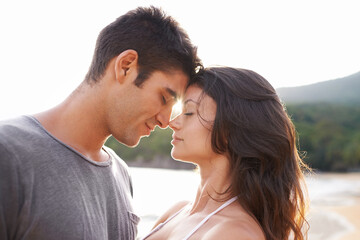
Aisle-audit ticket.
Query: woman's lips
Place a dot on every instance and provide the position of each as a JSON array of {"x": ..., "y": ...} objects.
[{"x": 176, "y": 139}]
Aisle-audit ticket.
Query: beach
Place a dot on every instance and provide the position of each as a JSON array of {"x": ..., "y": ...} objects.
[{"x": 335, "y": 207}]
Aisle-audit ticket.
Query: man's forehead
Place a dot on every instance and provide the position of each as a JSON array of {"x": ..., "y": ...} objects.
[{"x": 176, "y": 81}]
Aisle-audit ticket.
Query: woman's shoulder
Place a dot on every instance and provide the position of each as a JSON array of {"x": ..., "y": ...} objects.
[
  {"x": 239, "y": 229},
  {"x": 235, "y": 223},
  {"x": 171, "y": 211}
]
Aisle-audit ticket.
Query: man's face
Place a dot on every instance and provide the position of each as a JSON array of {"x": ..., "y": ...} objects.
[{"x": 139, "y": 109}]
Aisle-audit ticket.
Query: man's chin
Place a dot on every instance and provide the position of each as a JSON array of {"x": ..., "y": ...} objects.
[
  {"x": 131, "y": 143},
  {"x": 138, "y": 141}
]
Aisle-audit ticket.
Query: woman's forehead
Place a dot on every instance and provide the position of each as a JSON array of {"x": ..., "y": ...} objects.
[{"x": 193, "y": 93}]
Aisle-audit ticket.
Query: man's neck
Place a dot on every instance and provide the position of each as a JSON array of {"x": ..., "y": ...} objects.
[{"x": 77, "y": 123}]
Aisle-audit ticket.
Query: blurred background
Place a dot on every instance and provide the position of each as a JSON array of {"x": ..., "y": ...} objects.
[{"x": 308, "y": 50}]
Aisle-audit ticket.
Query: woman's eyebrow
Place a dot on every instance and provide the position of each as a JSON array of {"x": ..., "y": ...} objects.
[{"x": 190, "y": 100}]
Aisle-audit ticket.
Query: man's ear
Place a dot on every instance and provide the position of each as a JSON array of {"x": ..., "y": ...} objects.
[{"x": 125, "y": 63}]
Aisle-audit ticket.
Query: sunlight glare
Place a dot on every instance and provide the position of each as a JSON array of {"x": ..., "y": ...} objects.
[{"x": 176, "y": 110}]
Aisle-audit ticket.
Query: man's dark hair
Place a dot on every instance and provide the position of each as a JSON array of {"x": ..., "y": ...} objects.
[{"x": 158, "y": 39}]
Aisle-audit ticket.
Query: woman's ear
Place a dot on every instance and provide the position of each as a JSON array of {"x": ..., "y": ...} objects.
[{"x": 124, "y": 63}]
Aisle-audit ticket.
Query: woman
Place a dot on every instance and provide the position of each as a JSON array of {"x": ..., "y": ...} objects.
[{"x": 235, "y": 129}]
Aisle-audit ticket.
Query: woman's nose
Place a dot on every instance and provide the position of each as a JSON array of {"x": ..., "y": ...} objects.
[{"x": 174, "y": 124}]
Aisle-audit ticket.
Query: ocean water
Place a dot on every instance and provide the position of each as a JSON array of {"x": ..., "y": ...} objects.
[{"x": 156, "y": 190}]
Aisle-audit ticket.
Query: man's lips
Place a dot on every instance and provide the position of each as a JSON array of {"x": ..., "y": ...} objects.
[{"x": 150, "y": 128}]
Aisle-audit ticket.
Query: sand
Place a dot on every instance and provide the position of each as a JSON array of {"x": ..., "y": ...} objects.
[{"x": 335, "y": 209}]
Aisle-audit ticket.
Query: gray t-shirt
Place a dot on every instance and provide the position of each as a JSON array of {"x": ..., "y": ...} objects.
[{"x": 50, "y": 191}]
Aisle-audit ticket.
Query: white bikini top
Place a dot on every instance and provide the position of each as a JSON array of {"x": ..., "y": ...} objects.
[{"x": 158, "y": 227}]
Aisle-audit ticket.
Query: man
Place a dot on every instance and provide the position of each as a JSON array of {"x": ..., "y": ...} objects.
[{"x": 57, "y": 180}]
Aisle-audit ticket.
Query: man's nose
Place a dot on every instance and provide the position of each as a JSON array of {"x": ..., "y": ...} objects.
[{"x": 163, "y": 117}]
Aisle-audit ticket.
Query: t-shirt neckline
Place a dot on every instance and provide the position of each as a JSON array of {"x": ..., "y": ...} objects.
[{"x": 100, "y": 164}]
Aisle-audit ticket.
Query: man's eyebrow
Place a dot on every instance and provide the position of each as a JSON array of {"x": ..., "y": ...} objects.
[{"x": 172, "y": 93}]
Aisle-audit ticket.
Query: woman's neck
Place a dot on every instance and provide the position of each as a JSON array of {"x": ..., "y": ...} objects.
[{"x": 215, "y": 180}]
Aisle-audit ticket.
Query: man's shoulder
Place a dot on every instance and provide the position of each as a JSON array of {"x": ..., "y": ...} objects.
[
  {"x": 16, "y": 132},
  {"x": 8, "y": 125},
  {"x": 13, "y": 127},
  {"x": 10, "y": 130},
  {"x": 19, "y": 140}
]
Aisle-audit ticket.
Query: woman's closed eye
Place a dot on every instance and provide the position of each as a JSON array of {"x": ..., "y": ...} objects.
[{"x": 188, "y": 113}]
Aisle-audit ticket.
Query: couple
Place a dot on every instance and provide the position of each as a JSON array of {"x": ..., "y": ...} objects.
[{"x": 59, "y": 181}]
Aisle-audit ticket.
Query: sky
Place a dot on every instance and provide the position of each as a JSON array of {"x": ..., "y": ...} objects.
[{"x": 46, "y": 46}]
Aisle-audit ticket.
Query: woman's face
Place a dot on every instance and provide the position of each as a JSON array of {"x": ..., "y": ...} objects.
[{"x": 192, "y": 129}]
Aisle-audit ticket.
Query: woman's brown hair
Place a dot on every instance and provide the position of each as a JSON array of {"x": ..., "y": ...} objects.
[{"x": 252, "y": 127}]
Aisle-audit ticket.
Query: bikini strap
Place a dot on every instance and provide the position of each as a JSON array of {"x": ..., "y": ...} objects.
[{"x": 227, "y": 203}]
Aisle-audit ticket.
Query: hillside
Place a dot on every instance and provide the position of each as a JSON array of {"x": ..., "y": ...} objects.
[{"x": 341, "y": 90}]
